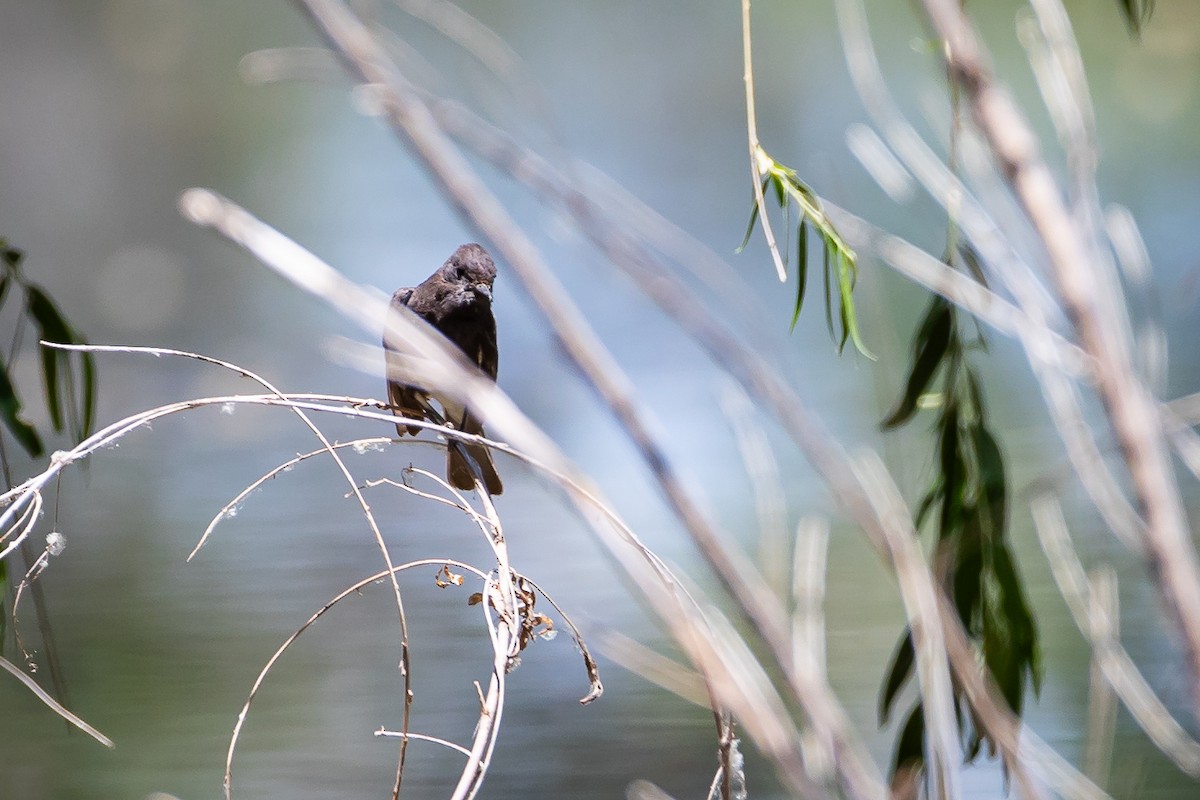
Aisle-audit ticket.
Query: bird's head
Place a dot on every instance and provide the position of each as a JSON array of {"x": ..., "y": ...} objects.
[{"x": 472, "y": 269}]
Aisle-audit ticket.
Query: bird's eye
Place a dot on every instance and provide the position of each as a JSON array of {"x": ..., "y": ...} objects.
[{"x": 460, "y": 273}]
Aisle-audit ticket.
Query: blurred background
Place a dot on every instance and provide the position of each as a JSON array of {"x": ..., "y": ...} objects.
[{"x": 110, "y": 108}]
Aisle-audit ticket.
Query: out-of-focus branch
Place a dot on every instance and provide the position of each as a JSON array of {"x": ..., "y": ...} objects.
[
  {"x": 53, "y": 704},
  {"x": 1097, "y": 625},
  {"x": 1131, "y": 408}
]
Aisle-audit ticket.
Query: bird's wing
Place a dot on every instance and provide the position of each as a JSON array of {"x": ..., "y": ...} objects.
[
  {"x": 404, "y": 399},
  {"x": 487, "y": 353}
]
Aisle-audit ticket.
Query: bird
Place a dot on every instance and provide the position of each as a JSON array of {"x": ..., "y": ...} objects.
[{"x": 457, "y": 300}]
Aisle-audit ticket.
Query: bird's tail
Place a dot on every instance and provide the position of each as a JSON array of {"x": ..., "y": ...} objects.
[{"x": 459, "y": 472}]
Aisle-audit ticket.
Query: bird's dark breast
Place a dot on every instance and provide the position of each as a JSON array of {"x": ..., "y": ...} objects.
[{"x": 471, "y": 327}]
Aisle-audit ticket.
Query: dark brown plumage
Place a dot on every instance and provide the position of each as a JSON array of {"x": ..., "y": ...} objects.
[{"x": 457, "y": 300}]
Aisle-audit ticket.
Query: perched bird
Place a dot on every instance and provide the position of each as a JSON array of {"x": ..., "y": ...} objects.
[{"x": 457, "y": 300}]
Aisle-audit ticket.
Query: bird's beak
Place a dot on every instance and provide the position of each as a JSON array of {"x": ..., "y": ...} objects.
[{"x": 483, "y": 290}]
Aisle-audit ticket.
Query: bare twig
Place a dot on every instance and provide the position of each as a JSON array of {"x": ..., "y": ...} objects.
[
  {"x": 229, "y": 508},
  {"x": 758, "y": 165},
  {"x": 421, "y": 737},
  {"x": 351, "y": 591},
  {"x": 406, "y": 667},
  {"x": 53, "y": 704}
]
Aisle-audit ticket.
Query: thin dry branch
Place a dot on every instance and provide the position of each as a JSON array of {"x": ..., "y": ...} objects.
[
  {"x": 52, "y": 704},
  {"x": 229, "y": 508},
  {"x": 350, "y": 480},
  {"x": 350, "y": 591},
  {"x": 758, "y": 158}
]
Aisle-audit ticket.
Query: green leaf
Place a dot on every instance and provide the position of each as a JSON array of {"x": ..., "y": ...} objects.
[
  {"x": 1137, "y": 13},
  {"x": 953, "y": 470},
  {"x": 801, "y": 270},
  {"x": 931, "y": 497},
  {"x": 844, "y": 311},
  {"x": 971, "y": 258},
  {"x": 11, "y": 255},
  {"x": 89, "y": 397},
  {"x": 930, "y": 346},
  {"x": 899, "y": 672},
  {"x": 968, "y": 582},
  {"x": 828, "y": 290},
  {"x": 53, "y": 327},
  {"x": 910, "y": 747},
  {"x": 1002, "y": 653},
  {"x": 781, "y": 193},
  {"x": 10, "y": 415},
  {"x": 1020, "y": 620},
  {"x": 753, "y": 219},
  {"x": 991, "y": 477},
  {"x": 848, "y": 277}
]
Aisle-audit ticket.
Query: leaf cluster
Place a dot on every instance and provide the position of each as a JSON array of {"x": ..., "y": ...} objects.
[
  {"x": 966, "y": 506},
  {"x": 68, "y": 379},
  {"x": 840, "y": 262}
]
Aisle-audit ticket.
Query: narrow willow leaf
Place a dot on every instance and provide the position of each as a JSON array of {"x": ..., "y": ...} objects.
[
  {"x": 829, "y": 246},
  {"x": 1001, "y": 653},
  {"x": 10, "y": 415},
  {"x": 843, "y": 314},
  {"x": 931, "y": 343},
  {"x": 899, "y": 672},
  {"x": 991, "y": 477},
  {"x": 52, "y": 328},
  {"x": 975, "y": 395},
  {"x": 49, "y": 358},
  {"x": 968, "y": 582},
  {"x": 1016, "y": 610},
  {"x": 801, "y": 270},
  {"x": 848, "y": 275},
  {"x": 1136, "y": 12},
  {"x": 910, "y": 747},
  {"x": 781, "y": 189},
  {"x": 931, "y": 497},
  {"x": 12, "y": 256},
  {"x": 953, "y": 470},
  {"x": 971, "y": 258},
  {"x": 753, "y": 219},
  {"x": 89, "y": 396}
]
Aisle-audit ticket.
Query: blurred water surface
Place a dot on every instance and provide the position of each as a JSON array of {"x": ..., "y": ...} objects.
[{"x": 109, "y": 109}]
